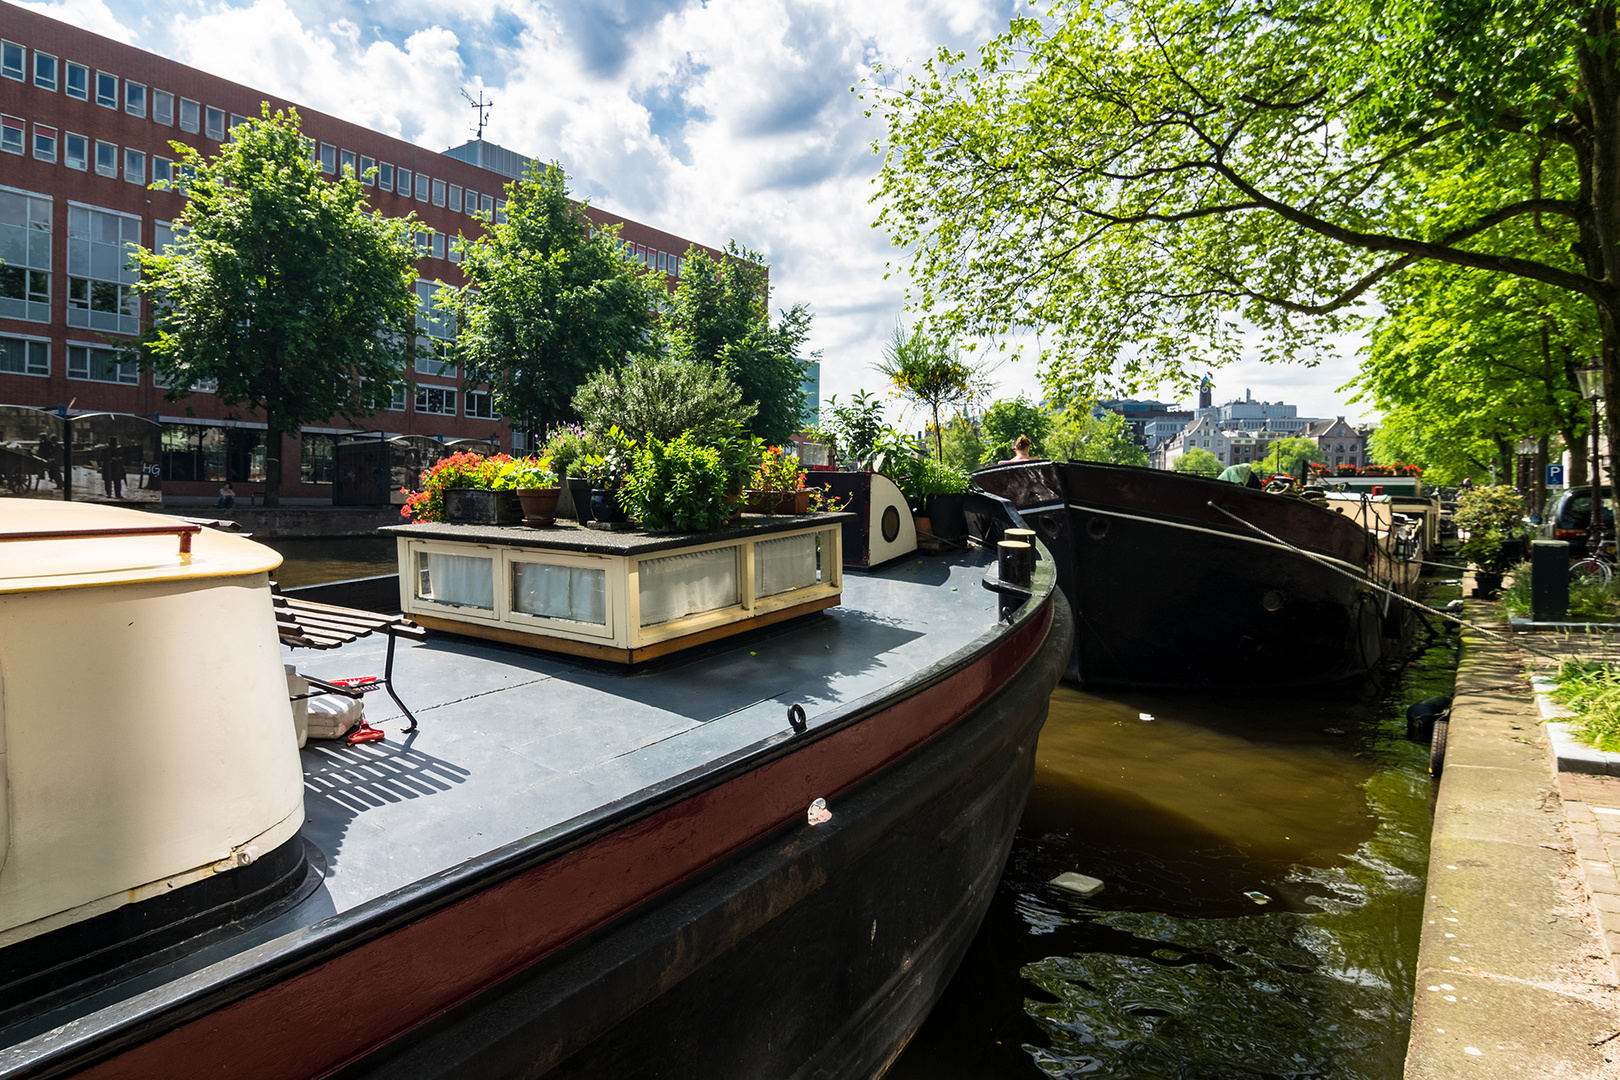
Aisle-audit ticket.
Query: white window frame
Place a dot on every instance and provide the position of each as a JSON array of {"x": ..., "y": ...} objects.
[
  {"x": 67, "y": 154},
  {"x": 29, "y": 339},
  {"x": 455, "y": 198},
  {"x": 89, "y": 313},
  {"x": 111, "y": 170},
  {"x": 438, "y": 244},
  {"x": 166, "y": 117},
  {"x": 138, "y": 91},
  {"x": 385, "y": 176},
  {"x": 54, "y": 83},
  {"x": 100, "y": 100},
  {"x": 447, "y": 400},
  {"x": 348, "y": 159},
  {"x": 438, "y": 193},
  {"x": 484, "y": 397},
  {"x": 214, "y": 123},
  {"x": 402, "y": 182},
  {"x": 99, "y": 346},
  {"x": 195, "y": 108},
  {"x": 423, "y": 184},
  {"x": 327, "y": 156},
  {"x": 9, "y": 124},
  {"x": 137, "y": 157},
  {"x": 368, "y": 168},
  {"x": 6, "y": 45},
  {"x": 68, "y": 68},
  {"x": 165, "y": 166},
  {"x": 55, "y": 137}
]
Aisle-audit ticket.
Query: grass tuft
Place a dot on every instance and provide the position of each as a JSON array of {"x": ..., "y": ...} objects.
[{"x": 1592, "y": 692}]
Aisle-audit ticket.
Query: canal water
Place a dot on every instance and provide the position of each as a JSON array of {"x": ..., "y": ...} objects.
[{"x": 1263, "y": 859}]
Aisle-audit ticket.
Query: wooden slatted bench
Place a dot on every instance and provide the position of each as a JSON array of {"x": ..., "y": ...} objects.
[{"x": 304, "y": 624}]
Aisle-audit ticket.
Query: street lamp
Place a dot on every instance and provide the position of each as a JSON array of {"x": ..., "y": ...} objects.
[{"x": 1591, "y": 380}]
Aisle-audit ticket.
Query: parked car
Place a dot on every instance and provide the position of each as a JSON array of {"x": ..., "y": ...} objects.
[{"x": 1571, "y": 517}]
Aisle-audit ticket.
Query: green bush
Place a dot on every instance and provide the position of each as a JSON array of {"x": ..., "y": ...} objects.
[
  {"x": 680, "y": 484},
  {"x": 661, "y": 397},
  {"x": 1589, "y": 600},
  {"x": 1592, "y": 692}
]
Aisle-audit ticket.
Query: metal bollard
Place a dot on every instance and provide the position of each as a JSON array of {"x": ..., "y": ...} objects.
[{"x": 1549, "y": 581}]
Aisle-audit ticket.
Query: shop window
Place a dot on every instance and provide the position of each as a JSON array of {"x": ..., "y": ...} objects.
[{"x": 315, "y": 458}]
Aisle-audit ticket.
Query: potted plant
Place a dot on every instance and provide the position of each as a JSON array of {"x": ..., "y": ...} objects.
[
  {"x": 1493, "y": 517},
  {"x": 679, "y": 485},
  {"x": 536, "y": 487},
  {"x": 606, "y": 469},
  {"x": 460, "y": 488},
  {"x": 568, "y": 446},
  {"x": 942, "y": 488},
  {"x": 777, "y": 485}
]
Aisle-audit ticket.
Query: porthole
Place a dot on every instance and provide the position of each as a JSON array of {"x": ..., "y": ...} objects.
[
  {"x": 1097, "y": 527},
  {"x": 890, "y": 524}
]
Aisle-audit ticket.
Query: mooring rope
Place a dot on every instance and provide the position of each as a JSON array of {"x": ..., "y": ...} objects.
[{"x": 1419, "y": 605}]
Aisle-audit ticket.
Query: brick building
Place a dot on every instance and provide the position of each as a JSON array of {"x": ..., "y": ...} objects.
[{"x": 85, "y": 127}]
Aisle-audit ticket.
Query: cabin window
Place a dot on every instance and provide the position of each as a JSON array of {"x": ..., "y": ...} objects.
[
  {"x": 677, "y": 586},
  {"x": 461, "y": 580},
  {"x": 550, "y": 591}
]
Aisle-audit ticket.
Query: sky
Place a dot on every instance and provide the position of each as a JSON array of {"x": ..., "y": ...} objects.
[{"x": 712, "y": 119}]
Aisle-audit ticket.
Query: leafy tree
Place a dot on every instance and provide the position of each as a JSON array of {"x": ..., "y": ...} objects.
[
  {"x": 1198, "y": 462},
  {"x": 853, "y": 428},
  {"x": 1151, "y": 180},
  {"x": 720, "y": 316},
  {"x": 1290, "y": 456},
  {"x": 546, "y": 303},
  {"x": 963, "y": 447},
  {"x": 1007, "y": 419},
  {"x": 1080, "y": 436},
  {"x": 662, "y": 397},
  {"x": 928, "y": 369},
  {"x": 280, "y": 288}
]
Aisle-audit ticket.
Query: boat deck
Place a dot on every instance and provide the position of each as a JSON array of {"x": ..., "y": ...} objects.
[{"x": 513, "y": 742}]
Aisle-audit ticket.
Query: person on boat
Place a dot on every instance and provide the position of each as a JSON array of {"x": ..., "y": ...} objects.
[{"x": 1021, "y": 451}]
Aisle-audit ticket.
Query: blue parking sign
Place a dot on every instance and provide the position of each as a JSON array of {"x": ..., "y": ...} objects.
[{"x": 1555, "y": 475}]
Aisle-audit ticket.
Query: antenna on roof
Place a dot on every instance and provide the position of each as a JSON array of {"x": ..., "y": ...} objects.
[{"x": 480, "y": 105}]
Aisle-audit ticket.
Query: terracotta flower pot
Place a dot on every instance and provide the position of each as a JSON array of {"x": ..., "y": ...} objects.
[{"x": 539, "y": 505}]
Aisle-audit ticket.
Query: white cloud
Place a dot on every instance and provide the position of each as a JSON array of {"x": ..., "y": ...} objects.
[{"x": 713, "y": 120}]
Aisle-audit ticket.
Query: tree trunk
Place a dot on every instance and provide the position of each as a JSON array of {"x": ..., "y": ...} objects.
[{"x": 272, "y": 466}]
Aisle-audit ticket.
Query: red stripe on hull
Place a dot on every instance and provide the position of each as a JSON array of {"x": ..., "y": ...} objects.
[{"x": 399, "y": 981}]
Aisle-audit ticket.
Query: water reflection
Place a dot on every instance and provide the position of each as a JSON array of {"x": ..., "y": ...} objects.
[
  {"x": 313, "y": 561},
  {"x": 1317, "y": 803}
]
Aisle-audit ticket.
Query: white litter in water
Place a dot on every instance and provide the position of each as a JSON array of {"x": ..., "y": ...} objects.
[
  {"x": 1079, "y": 884},
  {"x": 818, "y": 812},
  {"x": 1258, "y": 897},
  {"x": 1144, "y": 716}
]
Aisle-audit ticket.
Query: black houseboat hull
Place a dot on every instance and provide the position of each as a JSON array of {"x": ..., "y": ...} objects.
[
  {"x": 700, "y": 928},
  {"x": 1169, "y": 591}
]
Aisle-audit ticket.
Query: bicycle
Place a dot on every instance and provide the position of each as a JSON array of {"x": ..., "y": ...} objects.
[{"x": 1592, "y": 570}]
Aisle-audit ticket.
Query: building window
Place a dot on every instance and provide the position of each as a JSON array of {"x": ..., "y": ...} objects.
[
  {"x": 315, "y": 458},
  {"x": 134, "y": 166},
  {"x": 215, "y": 119},
  {"x": 162, "y": 107},
  {"x": 162, "y": 170},
  {"x": 106, "y": 159},
  {"x": 438, "y": 245},
  {"x": 193, "y": 452},
  {"x": 237, "y": 121},
  {"x": 438, "y": 193},
  {"x": 402, "y": 182},
  {"x": 24, "y": 356},
  {"x": 348, "y": 161},
  {"x": 328, "y": 158},
  {"x": 470, "y": 203},
  {"x": 422, "y": 187},
  {"x": 500, "y": 211},
  {"x": 13, "y": 134},
  {"x": 385, "y": 176},
  {"x": 455, "y": 250},
  {"x": 106, "y": 90},
  {"x": 76, "y": 84},
  {"x": 438, "y": 400},
  {"x": 190, "y": 119},
  {"x": 486, "y": 203},
  {"x": 675, "y": 266},
  {"x": 480, "y": 405},
  {"x": 135, "y": 99},
  {"x": 44, "y": 142},
  {"x": 44, "y": 70},
  {"x": 368, "y": 171},
  {"x": 25, "y": 256},
  {"x": 75, "y": 151},
  {"x": 101, "y": 281},
  {"x": 101, "y": 365},
  {"x": 11, "y": 60},
  {"x": 455, "y": 197}
]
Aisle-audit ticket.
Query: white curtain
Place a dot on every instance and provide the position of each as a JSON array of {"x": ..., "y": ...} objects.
[
  {"x": 785, "y": 564},
  {"x": 578, "y": 593},
  {"x": 680, "y": 585},
  {"x": 467, "y": 580}
]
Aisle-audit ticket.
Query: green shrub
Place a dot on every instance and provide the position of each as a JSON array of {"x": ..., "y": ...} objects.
[
  {"x": 662, "y": 397},
  {"x": 1592, "y": 693},
  {"x": 680, "y": 484},
  {"x": 1589, "y": 600}
]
